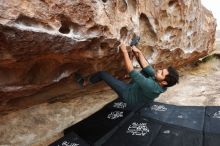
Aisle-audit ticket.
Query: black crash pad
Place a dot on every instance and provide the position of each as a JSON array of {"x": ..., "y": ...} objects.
[
  {"x": 143, "y": 131},
  {"x": 183, "y": 116},
  {"x": 103, "y": 123},
  {"x": 212, "y": 126},
  {"x": 70, "y": 139},
  {"x": 152, "y": 124}
]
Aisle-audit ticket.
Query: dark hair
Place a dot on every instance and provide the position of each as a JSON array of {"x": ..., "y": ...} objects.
[{"x": 172, "y": 78}]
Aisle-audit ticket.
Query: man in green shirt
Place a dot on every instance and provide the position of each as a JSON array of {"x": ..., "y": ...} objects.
[{"x": 145, "y": 86}]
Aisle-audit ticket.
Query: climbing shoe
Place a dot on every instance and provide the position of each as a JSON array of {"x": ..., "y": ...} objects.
[
  {"x": 135, "y": 40},
  {"x": 79, "y": 79}
]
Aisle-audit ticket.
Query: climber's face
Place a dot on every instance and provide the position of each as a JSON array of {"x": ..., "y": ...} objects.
[{"x": 161, "y": 74}]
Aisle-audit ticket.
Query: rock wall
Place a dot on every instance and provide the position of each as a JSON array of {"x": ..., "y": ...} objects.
[{"x": 42, "y": 42}]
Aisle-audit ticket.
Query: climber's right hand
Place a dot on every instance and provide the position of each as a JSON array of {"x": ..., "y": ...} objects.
[
  {"x": 123, "y": 47},
  {"x": 136, "y": 50}
]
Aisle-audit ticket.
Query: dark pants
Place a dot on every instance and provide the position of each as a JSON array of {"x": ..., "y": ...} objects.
[{"x": 117, "y": 85}]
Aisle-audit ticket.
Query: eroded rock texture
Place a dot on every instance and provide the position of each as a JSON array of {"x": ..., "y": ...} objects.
[{"x": 44, "y": 41}]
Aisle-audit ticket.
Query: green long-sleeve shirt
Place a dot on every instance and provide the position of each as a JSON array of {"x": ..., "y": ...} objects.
[{"x": 143, "y": 88}]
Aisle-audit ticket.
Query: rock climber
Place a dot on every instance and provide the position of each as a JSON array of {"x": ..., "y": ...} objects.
[{"x": 145, "y": 86}]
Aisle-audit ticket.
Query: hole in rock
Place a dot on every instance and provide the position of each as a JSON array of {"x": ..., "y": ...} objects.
[
  {"x": 64, "y": 28},
  {"x": 122, "y": 5},
  {"x": 147, "y": 29},
  {"x": 104, "y": 1},
  {"x": 132, "y": 6},
  {"x": 172, "y": 37},
  {"x": 67, "y": 25},
  {"x": 174, "y": 9},
  {"x": 173, "y": 31},
  {"x": 163, "y": 14},
  {"x": 28, "y": 21},
  {"x": 43, "y": 1},
  {"x": 172, "y": 2},
  {"x": 123, "y": 33},
  {"x": 95, "y": 28}
]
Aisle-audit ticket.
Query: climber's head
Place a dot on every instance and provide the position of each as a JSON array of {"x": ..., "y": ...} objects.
[{"x": 167, "y": 77}]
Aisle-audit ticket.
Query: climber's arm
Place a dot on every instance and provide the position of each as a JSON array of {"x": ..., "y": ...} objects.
[
  {"x": 127, "y": 60},
  {"x": 140, "y": 57}
]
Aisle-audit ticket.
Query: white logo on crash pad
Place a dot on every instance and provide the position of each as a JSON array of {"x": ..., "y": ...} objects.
[
  {"x": 216, "y": 115},
  {"x": 166, "y": 132},
  {"x": 121, "y": 105},
  {"x": 138, "y": 129},
  {"x": 160, "y": 108},
  {"x": 115, "y": 115},
  {"x": 65, "y": 143}
]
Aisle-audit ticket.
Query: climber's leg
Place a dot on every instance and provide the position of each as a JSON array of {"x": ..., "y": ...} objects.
[{"x": 117, "y": 85}]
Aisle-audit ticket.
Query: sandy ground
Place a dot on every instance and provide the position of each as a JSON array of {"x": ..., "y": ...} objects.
[{"x": 42, "y": 124}]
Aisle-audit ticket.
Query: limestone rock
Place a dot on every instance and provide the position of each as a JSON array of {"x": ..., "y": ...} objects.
[{"x": 42, "y": 42}]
